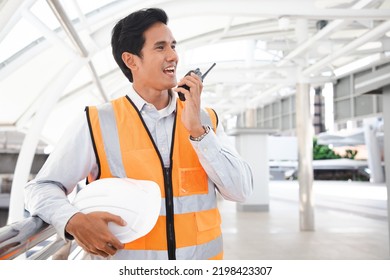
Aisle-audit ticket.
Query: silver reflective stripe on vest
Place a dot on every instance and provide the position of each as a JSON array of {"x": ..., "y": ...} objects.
[
  {"x": 193, "y": 203},
  {"x": 201, "y": 252},
  {"x": 198, "y": 252},
  {"x": 111, "y": 140}
]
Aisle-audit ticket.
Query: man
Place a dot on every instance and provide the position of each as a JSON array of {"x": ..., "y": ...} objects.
[{"x": 158, "y": 137}]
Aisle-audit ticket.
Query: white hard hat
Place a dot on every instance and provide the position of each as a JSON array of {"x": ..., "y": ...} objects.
[{"x": 138, "y": 202}]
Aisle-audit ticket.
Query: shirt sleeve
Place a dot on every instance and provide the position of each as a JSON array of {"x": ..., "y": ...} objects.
[
  {"x": 224, "y": 166},
  {"x": 69, "y": 163}
]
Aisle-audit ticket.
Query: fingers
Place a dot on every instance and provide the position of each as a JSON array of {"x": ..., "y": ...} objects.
[
  {"x": 194, "y": 86},
  {"x": 112, "y": 244},
  {"x": 108, "y": 217},
  {"x": 106, "y": 250},
  {"x": 103, "y": 249},
  {"x": 190, "y": 78},
  {"x": 97, "y": 252},
  {"x": 93, "y": 234}
]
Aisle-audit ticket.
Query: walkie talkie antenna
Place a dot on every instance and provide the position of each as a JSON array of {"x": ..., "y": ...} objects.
[{"x": 205, "y": 74}]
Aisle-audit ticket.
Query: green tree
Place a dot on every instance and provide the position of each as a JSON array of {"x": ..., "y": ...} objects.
[
  {"x": 351, "y": 154},
  {"x": 324, "y": 152}
]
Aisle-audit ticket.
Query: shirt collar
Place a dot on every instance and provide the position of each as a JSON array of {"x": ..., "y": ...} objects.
[{"x": 139, "y": 102}]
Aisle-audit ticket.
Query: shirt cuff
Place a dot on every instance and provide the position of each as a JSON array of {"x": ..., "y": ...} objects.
[
  {"x": 208, "y": 148},
  {"x": 61, "y": 218}
]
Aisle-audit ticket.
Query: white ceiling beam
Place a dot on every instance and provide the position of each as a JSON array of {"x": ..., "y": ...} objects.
[
  {"x": 19, "y": 59},
  {"x": 48, "y": 33},
  {"x": 263, "y": 8},
  {"x": 323, "y": 33},
  {"x": 244, "y": 8},
  {"x": 366, "y": 37},
  {"x": 255, "y": 100},
  {"x": 10, "y": 14},
  {"x": 66, "y": 24}
]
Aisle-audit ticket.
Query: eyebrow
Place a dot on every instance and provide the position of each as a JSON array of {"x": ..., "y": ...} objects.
[{"x": 159, "y": 43}]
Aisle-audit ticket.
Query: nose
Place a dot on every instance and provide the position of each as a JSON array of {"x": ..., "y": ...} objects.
[{"x": 172, "y": 55}]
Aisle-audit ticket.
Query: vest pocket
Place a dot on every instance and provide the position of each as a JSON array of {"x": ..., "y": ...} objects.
[
  {"x": 209, "y": 219},
  {"x": 208, "y": 225},
  {"x": 192, "y": 181}
]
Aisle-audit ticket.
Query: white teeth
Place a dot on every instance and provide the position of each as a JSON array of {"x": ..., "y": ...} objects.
[{"x": 170, "y": 69}]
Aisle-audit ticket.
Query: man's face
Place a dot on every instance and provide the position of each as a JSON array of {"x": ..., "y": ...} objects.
[{"x": 157, "y": 65}]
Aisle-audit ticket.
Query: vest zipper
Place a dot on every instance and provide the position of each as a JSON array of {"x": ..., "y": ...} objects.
[{"x": 170, "y": 225}]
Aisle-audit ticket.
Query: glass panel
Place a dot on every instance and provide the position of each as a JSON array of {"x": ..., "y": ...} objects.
[
  {"x": 259, "y": 116},
  {"x": 342, "y": 110},
  {"x": 268, "y": 124},
  {"x": 364, "y": 105},
  {"x": 43, "y": 12},
  {"x": 275, "y": 108},
  {"x": 21, "y": 35},
  {"x": 293, "y": 120},
  {"x": 275, "y": 123},
  {"x": 286, "y": 122},
  {"x": 285, "y": 105},
  {"x": 292, "y": 103},
  {"x": 89, "y": 5},
  {"x": 380, "y": 104},
  {"x": 267, "y": 112},
  {"x": 342, "y": 88}
]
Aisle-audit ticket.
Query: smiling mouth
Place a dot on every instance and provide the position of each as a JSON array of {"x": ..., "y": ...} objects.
[{"x": 169, "y": 70}]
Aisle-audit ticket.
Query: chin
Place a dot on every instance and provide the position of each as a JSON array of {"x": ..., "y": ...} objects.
[{"x": 171, "y": 85}]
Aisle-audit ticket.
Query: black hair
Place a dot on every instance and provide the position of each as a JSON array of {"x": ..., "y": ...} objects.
[{"x": 128, "y": 34}]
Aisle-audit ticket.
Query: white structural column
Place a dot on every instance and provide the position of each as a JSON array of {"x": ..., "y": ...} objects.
[
  {"x": 374, "y": 155},
  {"x": 304, "y": 129},
  {"x": 386, "y": 117},
  {"x": 305, "y": 156},
  {"x": 23, "y": 166}
]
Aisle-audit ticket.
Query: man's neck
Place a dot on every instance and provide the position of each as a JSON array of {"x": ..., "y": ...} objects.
[{"x": 160, "y": 99}]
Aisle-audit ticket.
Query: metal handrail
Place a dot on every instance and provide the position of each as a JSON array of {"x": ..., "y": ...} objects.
[
  {"x": 19, "y": 237},
  {"x": 50, "y": 250}
]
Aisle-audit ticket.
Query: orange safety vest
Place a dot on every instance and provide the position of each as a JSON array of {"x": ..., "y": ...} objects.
[{"x": 189, "y": 223}]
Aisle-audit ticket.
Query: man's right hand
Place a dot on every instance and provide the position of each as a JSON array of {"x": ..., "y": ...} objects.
[{"x": 91, "y": 232}]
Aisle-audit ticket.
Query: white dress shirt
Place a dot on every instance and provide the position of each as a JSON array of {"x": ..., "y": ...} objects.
[{"x": 73, "y": 158}]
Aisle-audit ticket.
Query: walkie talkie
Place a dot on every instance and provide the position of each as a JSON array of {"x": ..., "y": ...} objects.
[{"x": 197, "y": 72}]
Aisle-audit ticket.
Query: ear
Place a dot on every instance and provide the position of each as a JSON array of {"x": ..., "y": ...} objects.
[{"x": 129, "y": 60}]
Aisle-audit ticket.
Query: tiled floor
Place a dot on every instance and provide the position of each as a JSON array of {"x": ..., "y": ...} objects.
[{"x": 350, "y": 223}]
